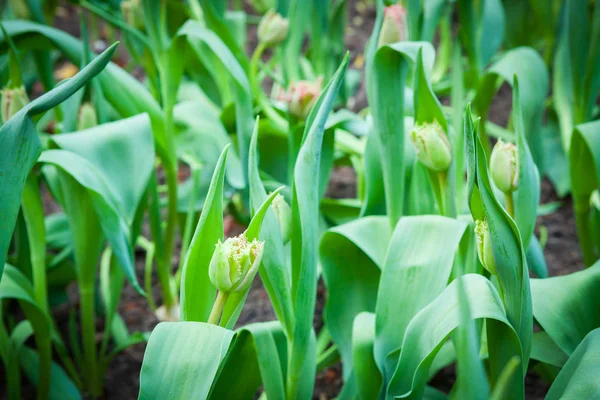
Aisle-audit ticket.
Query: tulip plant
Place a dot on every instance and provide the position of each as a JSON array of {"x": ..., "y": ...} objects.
[{"x": 435, "y": 263}]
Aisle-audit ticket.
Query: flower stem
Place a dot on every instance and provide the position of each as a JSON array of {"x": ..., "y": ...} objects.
[
  {"x": 441, "y": 198},
  {"x": 510, "y": 204},
  {"x": 217, "y": 309}
]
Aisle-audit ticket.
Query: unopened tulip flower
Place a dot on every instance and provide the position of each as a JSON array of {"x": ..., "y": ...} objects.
[
  {"x": 284, "y": 216},
  {"x": 87, "y": 117},
  {"x": 234, "y": 263},
  {"x": 301, "y": 97},
  {"x": 272, "y": 29},
  {"x": 432, "y": 146},
  {"x": 133, "y": 13},
  {"x": 13, "y": 100},
  {"x": 484, "y": 246},
  {"x": 395, "y": 27},
  {"x": 504, "y": 166}
]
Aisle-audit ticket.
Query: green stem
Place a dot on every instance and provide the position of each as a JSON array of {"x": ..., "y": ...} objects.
[
  {"x": 217, "y": 309},
  {"x": 189, "y": 220},
  {"x": 44, "y": 350},
  {"x": 441, "y": 193},
  {"x": 584, "y": 231},
  {"x": 278, "y": 121},
  {"x": 510, "y": 204},
  {"x": 88, "y": 333}
]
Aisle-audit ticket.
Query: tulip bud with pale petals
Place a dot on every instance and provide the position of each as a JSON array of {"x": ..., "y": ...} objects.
[
  {"x": 284, "y": 216},
  {"x": 272, "y": 29},
  {"x": 234, "y": 263},
  {"x": 301, "y": 97},
  {"x": 432, "y": 146},
  {"x": 13, "y": 100},
  {"x": 87, "y": 117},
  {"x": 484, "y": 246},
  {"x": 504, "y": 166}
]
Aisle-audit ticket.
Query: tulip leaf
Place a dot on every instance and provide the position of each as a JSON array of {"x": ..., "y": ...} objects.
[
  {"x": 197, "y": 292},
  {"x": 509, "y": 259},
  {"x": 352, "y": 257},
  {"x": 566, "y": 306},
  {"x": 416, "y": 270},
  {"x": 182, "y": 359},
  {"x": 116, "y": 187},
  {"x": 305, "y": 232},
  {"x": 427, "y": 331},
  {"x": 19, "y": 134},
  {"x": 367, "y": 376},
  {"x": 578, "y": 379}
]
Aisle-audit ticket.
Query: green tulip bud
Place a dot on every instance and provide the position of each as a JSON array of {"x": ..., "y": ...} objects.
[
  {"x": 272, "y": 29},
  {"x": 284, "y": 216},
  {"x": 133, "y": 13},
  {"x": 20, "y": 9},
  {"x": 484, "y": 246},
  {"x": 432, "y": 146},
  {"x": 234, "y": 263},
  {"x": 394, "y": 28},
  {"x": 87, "y": 117},
  {"x": 262, "y": 6},
  {"x": 13, "y": 100},
  {"x": 504, "y": 166}
]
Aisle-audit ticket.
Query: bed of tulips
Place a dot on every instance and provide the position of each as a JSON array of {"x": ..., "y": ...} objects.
[{"x": 435, "y": 265}]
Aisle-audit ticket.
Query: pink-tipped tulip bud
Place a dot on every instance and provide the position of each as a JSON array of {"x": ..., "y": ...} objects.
[
  {"x": 432, "y": 146},
  {"x": 504, "y": 166},
  {"x": 272, "y": 29},
  {"x": 13, "y": 100},
  {"x": 133, "y": 13},
  {"x": 234, "y": 263},
  {"x": 301, "y": 97},
  {"x": 484, "y": 246},
  {"x": 394, "y": 28},
  {"x": 87, "y": 117}
]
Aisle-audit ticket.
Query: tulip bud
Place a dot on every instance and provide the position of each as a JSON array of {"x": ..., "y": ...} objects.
[
  {"x": 262, "y": 6},
  {"x": 272, "y": 29},
  {"x": 284, "y": 216},
  {"x": 87, "y": 117},
  {"x": 235, "y": 263},
  {"x": 484, "y": 246},
  {"x": 432, "y": 146},
  {"x": 301, "y": 97},
  {"x": 13, "y": 100},
  {"x": 504, "y": 166},
  {"x": 133, "y": 13},
  {"x": 20, "y": 9},
  {"x": 394, "y": 28}
]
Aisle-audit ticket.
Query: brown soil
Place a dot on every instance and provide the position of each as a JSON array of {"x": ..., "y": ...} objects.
[{"x": 562, "y": 250}]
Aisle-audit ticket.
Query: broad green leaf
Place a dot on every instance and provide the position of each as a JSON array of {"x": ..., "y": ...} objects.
[
  {"x": 584, "y": 161},
  {"x": 61, "y": 385},
  {"x": 544, "y": 349},
  {"x": 113, "y": 162},
  {"x": 19, "y": 136},
  {"x": 367, "y": 376},
  {"x": 352, "y": 257},
  {"x": 305, "y": 231},
  {"x": 416, "y": 270},
  {"x": 257, "y": 357},
  {"x": 197, "y": 292},
  {"x": 431, "y": 326},
  {"x": 567, "y": 306},
  {"x": 182, "y": 359},
  {"x": 387, "y": 73},
  {"x": 578, "y": 379},
  {"x": 274, "y": 271},
  {"x": 509, "y": 259}
]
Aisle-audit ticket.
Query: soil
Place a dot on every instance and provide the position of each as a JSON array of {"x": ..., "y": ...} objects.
[{"x": 562, "y": 250}]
